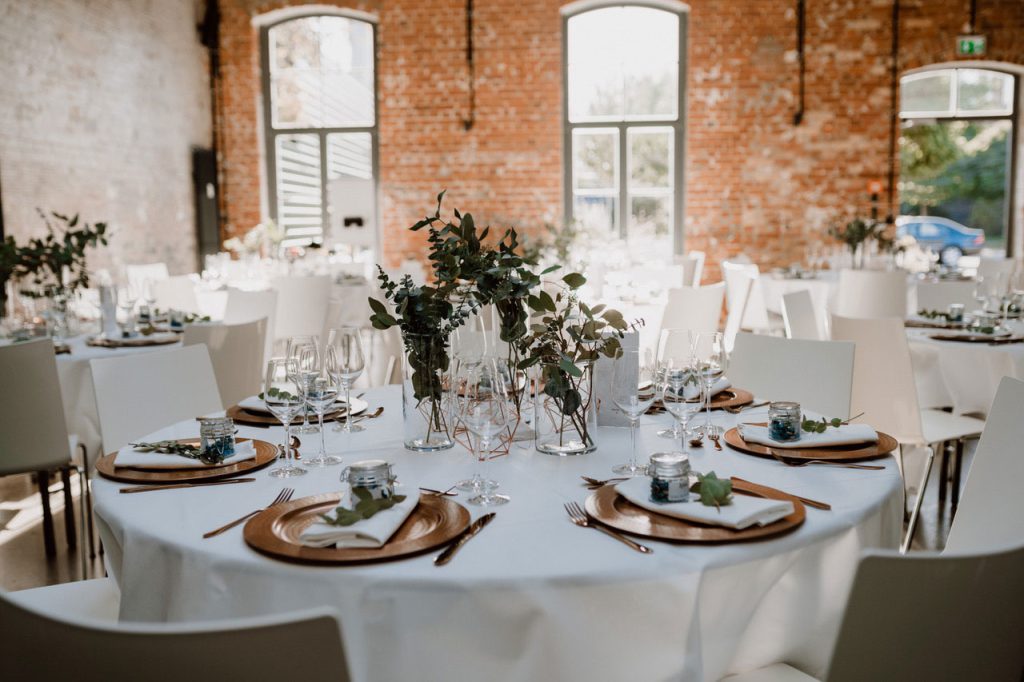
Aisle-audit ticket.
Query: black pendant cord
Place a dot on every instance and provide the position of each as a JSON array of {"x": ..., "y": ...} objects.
[
  {"x": 973, "y": 19},
  {"x": 1, "y": 219},
  {"x": 467, "y": 123},
  {"x": 894, "y": 83},
  {"x": 801, "y": 29},
  {"x": 209, "y": 35}
]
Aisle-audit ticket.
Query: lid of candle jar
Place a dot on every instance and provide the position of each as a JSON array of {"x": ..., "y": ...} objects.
[
  {"x": 367, "y": 472},
  {"x": 668, "y": 465}
]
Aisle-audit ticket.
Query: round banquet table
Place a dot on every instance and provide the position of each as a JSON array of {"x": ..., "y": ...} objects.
[{"x": 533, "y": 597}]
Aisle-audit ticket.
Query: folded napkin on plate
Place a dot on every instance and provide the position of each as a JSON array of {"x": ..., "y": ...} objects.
[
  {"x": 741, "y": 513},
  {"x": 366, "y": 534},
  {"x": 847, "y": 434},
  {"x": 130, "y": 457},
  {"x": 255, "y": 404},
  {"x": 691, "y": 391}
]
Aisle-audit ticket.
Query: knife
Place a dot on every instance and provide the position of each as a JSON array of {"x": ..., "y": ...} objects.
[{"x": 474, "y": 528}]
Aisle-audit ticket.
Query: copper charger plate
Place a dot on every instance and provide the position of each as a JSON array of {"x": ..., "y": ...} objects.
[
  {"x": 730, "y": 397},
  {"x": 612, "y": 509},
  {"x": 255, "y": 418},
  {"x": 933, "y": 324},
  {"x": 265, "y": 454},
  {"x": 275, "y": 532},
  {"x": 157, "y": 339},
  {"x": 838, "y": 453},
  {"x": 977, "y": 338}
]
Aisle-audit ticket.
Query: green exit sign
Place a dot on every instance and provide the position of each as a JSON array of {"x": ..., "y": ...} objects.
[{"x": 970, "y": 46}]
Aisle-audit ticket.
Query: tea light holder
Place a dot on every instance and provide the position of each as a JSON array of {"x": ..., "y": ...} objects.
[
  {"x": 670, "y": 477},
  {"x": 784, "y": 421}
]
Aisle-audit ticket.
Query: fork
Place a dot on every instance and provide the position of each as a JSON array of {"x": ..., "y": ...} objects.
[
  {"x": 805, "y": 462},
  {"x": 597, "y": 482},
  {"x": 714, "y": 435},
  {"x": 282, "y": 497},
  {"x": 743, "y": 408},
  {"x": 580, "y": 518}
]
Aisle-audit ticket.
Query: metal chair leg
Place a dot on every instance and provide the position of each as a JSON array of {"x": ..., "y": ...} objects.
[
  {"x": 917, "y": 502},
  {"x": 899, "y": 454},
  {"x": 49, "y": 544},
  {"x": 957, "y": 465},
  {"x": 943, "y": 477},
  {"x": 87, "y": 501},
  {"x": 70, "y": 534}
]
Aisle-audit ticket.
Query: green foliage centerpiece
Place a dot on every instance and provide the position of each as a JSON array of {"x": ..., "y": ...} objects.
[{"x": 856, "y": 233}]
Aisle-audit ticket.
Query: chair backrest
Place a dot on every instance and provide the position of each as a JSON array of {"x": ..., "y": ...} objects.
[
  {"x": 246, "y": 306},
  {"x": 140, "y": 276},
  {"x": 799, "y": 316},
  {"x": 816, "y": 374},
  {"x": 883, "y": 377},
  {"x": 871, "y": 293},
  {"x": 697, "y": 308},
  {"x": 693, "y": 268},
  {"x": 924, "y": 616},
  {"x": 199, "y": 652},
  {"x": 991, "y": 511},
  {"x": 301, "y": 305},
  {"x": 990, "y": 268},
  {"x": 744, "y": 297},
  {"x": 140, "y": 393},
  {"x": 34, "y": 435},
  {"x": 236, "y": 351},
  {"x": 939, "y": 295},
  {"x": 176, "y": 293}
]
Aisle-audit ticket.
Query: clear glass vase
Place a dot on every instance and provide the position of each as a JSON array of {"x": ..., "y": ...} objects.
[
  {"x": 426, "y": 413},
  {"x": 560, "y": 427}
]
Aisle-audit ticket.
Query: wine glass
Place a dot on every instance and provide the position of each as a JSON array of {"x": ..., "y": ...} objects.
[
  {"x": 295, "y": 347},
  {"x": 678, "y": 384},
  {"x": 281, "y": 396},
  {"x": 632, "y": 392},
  {"x": 320, "y": 392},
  {"x": 347, "y": 365},
  {"x": 126, "y": 300},
  {"x": 485, "y": 411},
  {"x": 711, "y": 362}
]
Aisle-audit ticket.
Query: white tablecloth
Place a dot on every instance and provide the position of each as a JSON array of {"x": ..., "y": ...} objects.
[{"x": 533, "y": 597}]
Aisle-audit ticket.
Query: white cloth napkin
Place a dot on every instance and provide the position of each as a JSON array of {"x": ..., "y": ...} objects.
[
  {"x": 692, "y": 391},
  {"x": 847, "y": 434},
  {"x": 255, "y": 404},
  {"x": 368, "y": 533},
  {"x": 130, "y": 457},
  {"x": 742, "y": 512}
]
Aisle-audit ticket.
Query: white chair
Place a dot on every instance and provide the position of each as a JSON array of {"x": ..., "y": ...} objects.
[
  {"x": 175, "y": 293},
  {"x": 141, "y": 276},
  {"x": 884, "y": 390},
  {"x": 799, "y": 316},
  {"x": 301, "y": 305},
  {"x": 70, "y": 631},
  {"x": 246, "y": 306},
  {"x": 991, "y": 268},
  {"x": 698, "y": 308},
  {"x": 693, "y": 268},
  {"x": 926, "y": 617},
  {"x": 138, "y": 394},
  {"x": 992, "y": 510},
  {"x": 236, "y": 351},
  {"x": 939, "y": 295},
  {"x": 34, "y": 435},
  {"x": 871, "y": 293},
  {"x": 816, "y": 374},
  {"x": 744, "y": 299}
]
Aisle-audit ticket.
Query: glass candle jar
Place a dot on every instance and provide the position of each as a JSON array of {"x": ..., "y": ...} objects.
[
  {"x": 955, "y": 312},
  {"x": 375, "y": 475},
  {"x": 217, "y": 437},
  {"x": 145, "y": 314},
  {"x": 784, "y": 421},
  {"x": 670, "y": 477},
  {"x": 176, "y": 320}
]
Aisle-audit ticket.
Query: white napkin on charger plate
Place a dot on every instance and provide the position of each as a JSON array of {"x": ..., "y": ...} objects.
[
  {"x": 369, "y": 533},
  {"x": 255, "y": 404},
  {"x": 847, "y": 434},
  {"x": 742, "y": 512},
  {"x": 692, "y": 391},
  {"x": 130, "y": 457}
]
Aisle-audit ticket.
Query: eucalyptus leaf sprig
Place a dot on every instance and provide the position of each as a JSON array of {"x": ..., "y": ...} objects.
[
  {"x": 173, "y": 447},
  {"x": 820, "y": 426},
  {"x": 713, "y": 491},
  {"x": 275, "y": 392},
  {"x": 933, "y": 314},
  {"x": 367, "y": 507}
]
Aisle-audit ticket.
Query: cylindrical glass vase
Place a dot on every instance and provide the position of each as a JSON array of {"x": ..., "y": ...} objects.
[
  {"x": 426, "y": 413},
  {"x": 563, "y": 423}
]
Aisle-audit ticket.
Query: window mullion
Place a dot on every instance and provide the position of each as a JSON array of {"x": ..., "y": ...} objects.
[{"x": 623, "y": 172}]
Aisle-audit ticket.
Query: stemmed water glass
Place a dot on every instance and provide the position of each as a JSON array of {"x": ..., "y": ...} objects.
[
  {"x": 711, "y": 362},
  {"x": 305, "y": 362},
  {"x": 126, "y": 300},
  {"x": 632, "y": 392},
  {"x": 485, "y": 410},
  {"x": 347, "y": 365},
  {"x": 675, "y": 375},
  {"x": 281, "y": 396},
  {"x": 320, "y": 390}
]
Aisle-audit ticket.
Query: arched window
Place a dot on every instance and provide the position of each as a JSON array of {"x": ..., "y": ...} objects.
[
  {"x": 956, "y": 158},
  {"x": 320, "y": 118},
  {"x": 624, "y": 125}
]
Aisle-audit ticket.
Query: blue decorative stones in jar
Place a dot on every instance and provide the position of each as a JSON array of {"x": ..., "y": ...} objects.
[
  {"x": 955, "y": 313},
  {"x": 670, "y": 477},
  {"x": 216, "y": 438},
  {"x": 784, "y": 421}
]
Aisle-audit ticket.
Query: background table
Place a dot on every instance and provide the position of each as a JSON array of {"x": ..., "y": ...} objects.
[{"x": 533, "y": 597}]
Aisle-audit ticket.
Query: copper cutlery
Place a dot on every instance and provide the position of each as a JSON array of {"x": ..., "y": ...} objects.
[
  {"x": 806, "y": 500},
  {"x": 282, "y": 497},
  {"x": 466, "y": 535},
  {"x": 173, "y": 486},
  {"x": 804, "y": 462},
  {"x": 595, "y": 483},
  {"x": 441, "y": 493},
  {"x": 580, "y": 518},
  {"x": 743, "y": 408}
]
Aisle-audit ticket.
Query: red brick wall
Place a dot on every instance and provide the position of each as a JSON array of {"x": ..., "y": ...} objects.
[{"x": 755, "y": 182}]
